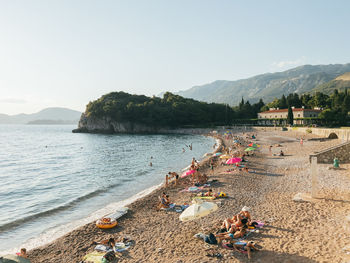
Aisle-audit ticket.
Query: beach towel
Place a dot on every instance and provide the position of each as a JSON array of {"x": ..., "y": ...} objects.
[
  {"x": 204, "y": 197},
  {"x": 94, "y": 257},
  {"x": 120, "y": 247},
  {"x": 192, "y": 189},
  {"x": 103, "y": 248},
  {"x": 260, "y": 223},
  {"x": 176, "y": 208},
  {"x": 171, "y": 206},
  {"x": 118, "y": 213}
]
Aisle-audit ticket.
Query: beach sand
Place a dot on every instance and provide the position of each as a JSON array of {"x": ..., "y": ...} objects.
[{"x": 294, "y": 232}]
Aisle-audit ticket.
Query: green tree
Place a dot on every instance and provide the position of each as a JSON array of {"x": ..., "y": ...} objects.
[
  {"x": 283, "y": 103},
  {"x": 290, "y": 118}
]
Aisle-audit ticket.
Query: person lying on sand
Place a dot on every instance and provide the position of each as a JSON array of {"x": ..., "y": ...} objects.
[
  {"x": 246, "y": 247},
  {"x": 209, "y": 193},
  {"x": 22, "y": 253},
  {"x": 242, "y": 246},
  {"x": 107, "y": 242},
  {"x": 239, "y": 233}
]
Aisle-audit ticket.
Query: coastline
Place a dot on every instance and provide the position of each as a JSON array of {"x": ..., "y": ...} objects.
[
  {"x": 51, "y": 235},
  {"x": 160, "y": 237}
]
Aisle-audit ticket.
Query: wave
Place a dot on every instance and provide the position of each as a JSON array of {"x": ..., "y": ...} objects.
[
  {"x": 53, "y": 233},
  {"x": 15, "y": 223}
]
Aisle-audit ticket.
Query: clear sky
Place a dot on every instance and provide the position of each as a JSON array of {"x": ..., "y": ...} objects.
[{"x": 68, "y": 52}]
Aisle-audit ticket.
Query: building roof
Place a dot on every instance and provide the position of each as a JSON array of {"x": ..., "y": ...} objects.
[{"x": 286, "y": 110}]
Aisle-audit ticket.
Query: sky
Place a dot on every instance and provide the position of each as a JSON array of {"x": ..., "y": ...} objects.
[{"x": 65, "y": 53}]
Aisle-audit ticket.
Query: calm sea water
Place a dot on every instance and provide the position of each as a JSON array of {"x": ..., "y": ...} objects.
[{"x": 52, "y": 180}]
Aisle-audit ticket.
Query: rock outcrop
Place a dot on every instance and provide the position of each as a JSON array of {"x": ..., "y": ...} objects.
[{"x": 109, "y": 126}]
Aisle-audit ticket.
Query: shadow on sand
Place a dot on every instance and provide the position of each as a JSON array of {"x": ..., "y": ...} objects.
[{"x": 272, "y": 257}]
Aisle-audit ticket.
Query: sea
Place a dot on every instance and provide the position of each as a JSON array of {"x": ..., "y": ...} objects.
[{"x": 53, "y": 181}]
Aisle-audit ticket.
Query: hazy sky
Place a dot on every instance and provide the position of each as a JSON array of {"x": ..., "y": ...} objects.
[{"x": 66, "y": 53}]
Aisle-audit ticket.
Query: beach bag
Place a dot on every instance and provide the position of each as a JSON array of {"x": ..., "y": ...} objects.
[
  {"x": 109, "y": 257},
  {"x": 211, "y": 239}
]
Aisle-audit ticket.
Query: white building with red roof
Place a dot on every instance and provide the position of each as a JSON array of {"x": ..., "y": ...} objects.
[{"x": 276, "y": 115}]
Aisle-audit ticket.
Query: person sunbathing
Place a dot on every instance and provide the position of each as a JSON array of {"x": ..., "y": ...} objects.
[
  {"x": 245, "y": 214},
  {"x": 246, "y": 247},
  {"x": 209, "y": 193},
  {"x": 164, "y": 201},
  {"x": 110, "y": 243},
  {"x": 233, "y": 233},
  {"x": 236, "y": 220}
]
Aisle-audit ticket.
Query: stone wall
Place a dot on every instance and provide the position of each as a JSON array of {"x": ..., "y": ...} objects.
[
  {"x": 341, "y": 151},
  {"x": 343, "y": 134}
]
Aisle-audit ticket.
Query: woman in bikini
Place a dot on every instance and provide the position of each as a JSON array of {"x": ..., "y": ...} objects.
[
  {"x": 245, "y": 213},
  {"x": 236, "y": 220}
]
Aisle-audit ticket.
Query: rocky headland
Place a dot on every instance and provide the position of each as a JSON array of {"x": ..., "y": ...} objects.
[{"x": 109, "y": 126}]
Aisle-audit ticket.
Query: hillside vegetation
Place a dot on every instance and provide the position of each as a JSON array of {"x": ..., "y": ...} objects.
[
  {"x": 169, "y": 111},
  {"x": 268, "y": 86},
  {"x": 341, "y": 83}
]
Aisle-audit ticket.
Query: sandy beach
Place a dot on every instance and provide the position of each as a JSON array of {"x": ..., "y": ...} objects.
[{"x": 294, "y": 231}]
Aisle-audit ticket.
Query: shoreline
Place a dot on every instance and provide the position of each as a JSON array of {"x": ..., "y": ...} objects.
[
  {"x": 52, "y": 234},
  {"x": 161, "y": 237}
]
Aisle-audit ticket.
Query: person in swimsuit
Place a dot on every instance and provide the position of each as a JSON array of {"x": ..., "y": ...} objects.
[
  {"x": 245, "y": 214},
  {"x": 107, "y": 242},
  {"x": 164, "y": 201},
  {"x": 247, "y": 246},
  {"x": 212, "y": 165},
  {"x": 22, "y": 253},
  {"x": 236, "y": 220},
  {"x": 233, "y": 233}
]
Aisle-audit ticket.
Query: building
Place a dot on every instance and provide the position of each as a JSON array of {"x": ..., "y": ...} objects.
[{"x": 278, "y": 116}]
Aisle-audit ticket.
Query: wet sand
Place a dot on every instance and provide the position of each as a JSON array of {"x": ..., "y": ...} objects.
[{"x": 294, "y": 232}]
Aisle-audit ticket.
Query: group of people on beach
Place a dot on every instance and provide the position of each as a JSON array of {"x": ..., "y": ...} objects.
[
  {"x": 233, "y": 228},
  {"x": 232, "y": 234}
]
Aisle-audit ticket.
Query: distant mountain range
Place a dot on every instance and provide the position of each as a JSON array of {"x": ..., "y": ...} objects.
[
  {"x": 45, "y": 116},
  {"x": 340, "y": 83},
  {"x": 303, "y": 79}
]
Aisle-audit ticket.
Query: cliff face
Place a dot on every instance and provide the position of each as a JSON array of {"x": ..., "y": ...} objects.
[{"x": 107, "y": 125}]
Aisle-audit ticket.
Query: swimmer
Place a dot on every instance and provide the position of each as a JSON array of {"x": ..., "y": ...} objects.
[{"x": 22, "y": 253}]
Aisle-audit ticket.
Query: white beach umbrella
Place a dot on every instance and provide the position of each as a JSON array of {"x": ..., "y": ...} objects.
[{"x": 197, "y": 210}]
